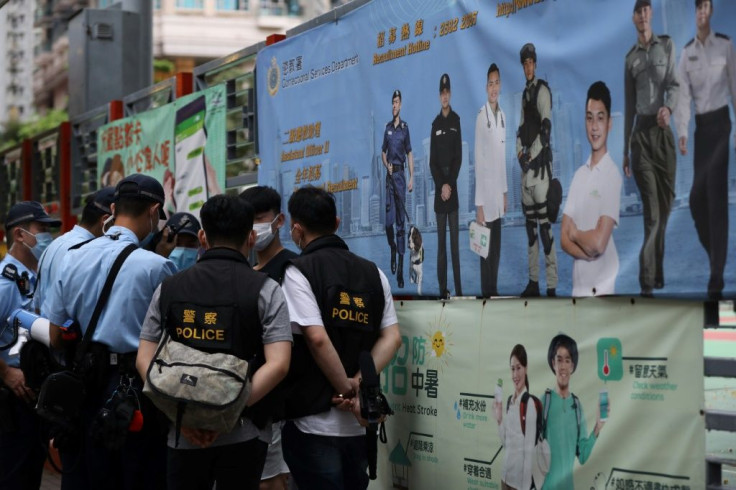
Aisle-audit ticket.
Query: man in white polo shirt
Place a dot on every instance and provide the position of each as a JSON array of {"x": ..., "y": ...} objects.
[{"x": 592, "y": 208}]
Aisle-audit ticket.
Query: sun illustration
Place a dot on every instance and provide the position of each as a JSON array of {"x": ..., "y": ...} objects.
[
  {"x": 439, "y": 336},
  {"x": 614, "y": 351}
]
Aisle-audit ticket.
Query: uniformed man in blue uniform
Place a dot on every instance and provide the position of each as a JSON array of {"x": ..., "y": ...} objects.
[
  {"x": 708, "y": 76},
  {"x": 651, "y": 88},
  {"x": 21, "y": 454},
  {"x": 94, "y": 214},
  {"x": 141, "y": 463},
  {"x": 395, "y": 151},
  {"x": 445, "y": 158}
]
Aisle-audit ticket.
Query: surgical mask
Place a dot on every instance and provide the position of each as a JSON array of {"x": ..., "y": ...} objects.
[
  {"x": 109, "y": 220},
  {"x": 43, "y": 240},
  {"x": 144, "y": 243},
  {"x": 264, "y": 234},
  {"x": 299, "y": 243},
  {"x": 183, "y": 257}
]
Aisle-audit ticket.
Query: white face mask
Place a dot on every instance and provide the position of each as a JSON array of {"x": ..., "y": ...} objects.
[
  {"x": 107, "y": 222},
  {"x": 264, "y": 234}
]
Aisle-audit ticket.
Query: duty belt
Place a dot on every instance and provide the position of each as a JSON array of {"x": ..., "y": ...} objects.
[
  {"x": 397, "y": 168},
  {"x": 645, "y": 121}
]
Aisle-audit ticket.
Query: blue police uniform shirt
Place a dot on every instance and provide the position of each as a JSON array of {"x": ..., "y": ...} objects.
[
  {"x": 50, "y": 263},
  {"x": 75, "y": 295},
  {"x": 396, "y": 142},
  {"x": 10, "y": 300}
]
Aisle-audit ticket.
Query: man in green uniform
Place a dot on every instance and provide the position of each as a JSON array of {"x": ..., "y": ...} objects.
[{"x": 651, "y": 89}]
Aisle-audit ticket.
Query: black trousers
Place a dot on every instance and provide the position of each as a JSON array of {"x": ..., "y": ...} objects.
[
  {"x": 489, "y": 265},
  {"x": 22, "y": 451},
  {"x": 709, "y": 193},
  {"x": 139, "y": 465},
  {"x": 232, "y": 467},
  {"x": 442, "y": 219}
]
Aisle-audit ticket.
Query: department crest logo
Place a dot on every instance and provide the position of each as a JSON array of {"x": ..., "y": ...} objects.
[{"x": 273, "y": 77}]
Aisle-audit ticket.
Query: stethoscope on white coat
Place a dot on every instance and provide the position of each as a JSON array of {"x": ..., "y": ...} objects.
[{"x": 489, "y": 119}]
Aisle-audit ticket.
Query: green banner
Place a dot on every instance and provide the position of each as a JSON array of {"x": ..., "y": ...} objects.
[
  {"x": 638, "y": 362},
  {"x": 182, "y": 144}
]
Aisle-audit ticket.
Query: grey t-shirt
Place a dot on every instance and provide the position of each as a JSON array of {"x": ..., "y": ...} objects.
[{"x": 274, "y": 316}]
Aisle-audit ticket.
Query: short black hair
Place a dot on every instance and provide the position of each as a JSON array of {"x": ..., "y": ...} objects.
[
  {"x": 562, "y": 340},
  {"x": 491, "y": 69},
  {"x": 263, "y": 199},
  {"x": 132, "y": 206},
  {"x": 226, "y": 220},
  {"x": 314, "y": 208},
  {"x": 599, "y": 91}
]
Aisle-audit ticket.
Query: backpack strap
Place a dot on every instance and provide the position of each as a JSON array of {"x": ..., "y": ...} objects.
[
  {"x": 578, "y": 418},
  {"x": 102, "y": 300},
  {"x": 522, "y": 411},
  {"x": 508, "y": 403}
]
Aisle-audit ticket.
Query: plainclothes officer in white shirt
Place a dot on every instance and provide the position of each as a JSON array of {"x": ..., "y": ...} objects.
[
  {"x": 707, "y": 73},
  {"x": 592, "y": 208},
  {"x": 490, "y": 177}
]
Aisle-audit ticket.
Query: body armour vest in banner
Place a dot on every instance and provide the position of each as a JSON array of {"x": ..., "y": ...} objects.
[
  {"x": 350, "y": 297},
  {"x": 532, "y": 126}
]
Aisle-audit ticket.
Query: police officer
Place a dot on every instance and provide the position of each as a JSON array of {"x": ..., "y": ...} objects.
[
  {"x": 257, "y": 327},
  {"x": 21, "y": 453},
  {"x": 342, "y": 306},
  {"x": 651, "y": 89},
  {"x": 445, "y": 158},
  {"x": 94, "y": 214},
  {"x": 535, "y": 157},
  {"x": 272, "y": 259},
  {"x": 396, "y": 149},
  {"x": 707, "y": 72},
  {"x": 141, "y": 461},
  {"x": 183, "y": 230}
]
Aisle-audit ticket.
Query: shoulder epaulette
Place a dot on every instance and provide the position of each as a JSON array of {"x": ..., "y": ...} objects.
[
  {"x": 633, "y": 48},
  {"x": 689, "y": 43},
  {"x": 10, "y": 271},
  {"x": 663, "y": 36},
  {"x": 404, "y": 125},
  {"x": 389, "y": 123},
  {"x": 723, "y": 36}
]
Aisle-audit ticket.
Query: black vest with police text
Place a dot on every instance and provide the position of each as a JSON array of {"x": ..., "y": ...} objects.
[
  {"x": 350, "y": 296},
  {"x": 213, "y": 305}
]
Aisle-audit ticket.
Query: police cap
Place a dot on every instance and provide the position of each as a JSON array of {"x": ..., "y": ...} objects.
[
  {"x": 528, "y": 51},
  {"x": 139, "y": 186},
  {"x": 27, "y": 211},
  {"x": 397, "y": 93},
  {"x": 644, "y": 3},
  {"x": 444, "y": 82},
  {"x": 102, "y": 199},
  {"x": 184, "y": 223}
]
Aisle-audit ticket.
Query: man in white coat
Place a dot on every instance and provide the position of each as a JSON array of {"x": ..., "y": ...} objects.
[{"x": 490, "y": 178}]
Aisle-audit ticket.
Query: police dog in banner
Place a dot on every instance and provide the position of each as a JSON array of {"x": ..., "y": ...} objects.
[{"x": 416, "y": 256}]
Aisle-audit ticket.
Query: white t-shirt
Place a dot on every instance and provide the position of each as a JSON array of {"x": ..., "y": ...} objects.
[
  {"x": 304, "y": 312},
  {"x": 595, "y": 192}
]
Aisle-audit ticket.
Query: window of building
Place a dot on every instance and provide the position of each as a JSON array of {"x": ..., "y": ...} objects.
[
  {"x": 232, "y": 5},
  {"x": 190, "y": 4}
]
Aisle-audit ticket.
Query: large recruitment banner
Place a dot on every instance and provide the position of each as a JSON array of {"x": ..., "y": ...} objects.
[
  {"x": 325, "y": 101},
  {"x": 182, "y": 144},
  {"x": 638, "y": 365}
]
